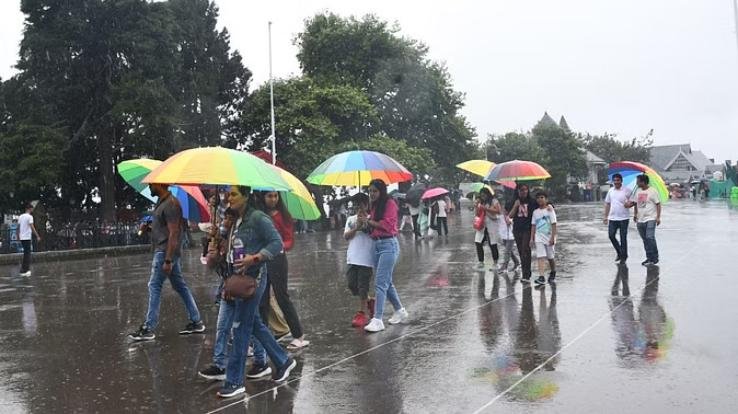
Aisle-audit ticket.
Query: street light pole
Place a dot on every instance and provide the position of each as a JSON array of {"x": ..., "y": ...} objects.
[
  {"x": 271, "y": 98},
  {"x": 735, "y": 15}
]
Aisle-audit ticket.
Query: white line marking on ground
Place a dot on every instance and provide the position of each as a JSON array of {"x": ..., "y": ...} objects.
[{"x": 366, "y": 351}]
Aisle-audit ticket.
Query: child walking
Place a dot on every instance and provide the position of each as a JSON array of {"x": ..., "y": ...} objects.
[
  {"x": 507, "y": 240},
  {"x": 543, "y": 237},
  {"x": 360, "y": 260}
]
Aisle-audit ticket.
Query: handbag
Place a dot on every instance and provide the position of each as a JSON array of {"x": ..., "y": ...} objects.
[
  {"x": 478, "y": 222},
  {"x": 241, "y": 286}
]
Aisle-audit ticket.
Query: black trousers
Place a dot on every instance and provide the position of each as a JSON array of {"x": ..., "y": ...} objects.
[
  {"x": 416, "y": 229},
  {"x": 522, "y": 240},
  {"x": 492, "y": 247},
  {"x": 442, "y": 224},
  {"x": 26, "y": 263},
  {"x": 277, "y": 280}
]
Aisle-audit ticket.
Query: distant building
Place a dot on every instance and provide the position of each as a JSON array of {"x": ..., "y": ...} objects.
[{"x": 679, "y": 163}]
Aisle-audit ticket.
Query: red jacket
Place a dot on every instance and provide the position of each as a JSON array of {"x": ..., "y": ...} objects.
[{"x": 285, "y": 228}]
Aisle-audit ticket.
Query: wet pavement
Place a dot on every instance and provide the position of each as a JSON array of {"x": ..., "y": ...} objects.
[{"x": 605, "y": 339}]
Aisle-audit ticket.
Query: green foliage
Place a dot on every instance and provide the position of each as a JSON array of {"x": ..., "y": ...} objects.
[
  {"x": 513, "y": 146},
  {"x": 562, "y": 155},
  {"x": 122, "y": 79},
  {"x": 611, "y": 149},
  {"x": 412, "y": 96}
]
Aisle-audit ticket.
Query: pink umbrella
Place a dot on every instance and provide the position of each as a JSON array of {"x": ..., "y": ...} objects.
[{"x": 434, "y": 192}]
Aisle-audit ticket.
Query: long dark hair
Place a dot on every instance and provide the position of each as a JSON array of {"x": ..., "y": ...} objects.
[
  {"x": 380, "y": 205},
  {"x": 488, "y": 195},
  {"x": 281, "y": 207}
]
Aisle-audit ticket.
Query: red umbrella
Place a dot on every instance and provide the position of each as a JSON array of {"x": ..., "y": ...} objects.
[{"x": 434, "y": 192}]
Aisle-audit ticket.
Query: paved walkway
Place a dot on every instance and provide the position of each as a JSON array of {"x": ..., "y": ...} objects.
[{"x": 606, "y": 339}]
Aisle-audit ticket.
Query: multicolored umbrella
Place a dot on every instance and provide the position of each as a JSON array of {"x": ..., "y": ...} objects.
[
  {"x": 358, "y": 168},
  {"x": 217, "y": 166},
  {"x": 194, "y": 205},
  {"x": 193, "y": 202},
  {"x": 517, "y": 170},
  {"x": 299, "y": 201},
  {"x": 478, "y": 167},
  {"x": 630, "y": 171},
  {"x": 134, "y": 171},
  {"x": 434, "y": 192}
]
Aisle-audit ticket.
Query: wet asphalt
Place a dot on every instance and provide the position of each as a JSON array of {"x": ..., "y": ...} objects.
[{"x": 605, "y": 338}]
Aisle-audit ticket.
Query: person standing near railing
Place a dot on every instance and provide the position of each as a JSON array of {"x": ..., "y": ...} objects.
[{"x": 25, "y": 234}]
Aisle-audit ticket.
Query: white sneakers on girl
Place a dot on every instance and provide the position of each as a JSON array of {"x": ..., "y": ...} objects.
[
  {"x": 375, "y": 325},
  {"x": 400, "y": 316}
]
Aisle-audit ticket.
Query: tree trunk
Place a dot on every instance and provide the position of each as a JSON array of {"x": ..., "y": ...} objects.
[{"x": 107, "y": 174}]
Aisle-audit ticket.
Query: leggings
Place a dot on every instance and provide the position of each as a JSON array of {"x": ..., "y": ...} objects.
[{"x": 492, "y": 247}]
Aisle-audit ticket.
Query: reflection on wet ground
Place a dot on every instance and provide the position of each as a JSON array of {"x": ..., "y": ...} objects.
[{"x": 606, "y": 338}]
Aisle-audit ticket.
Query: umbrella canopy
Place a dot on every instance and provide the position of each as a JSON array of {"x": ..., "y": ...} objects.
[
  {"x": 397, "y": 194},
  {"x": 518, "y": 170},
  {"x": 358, "y": 168},
  {"x": 299, "y": 201},
  {"x": 630, "y": 171},
  {"x": 478, "y": 167},
  {"x": 194, "y": 205},
  {"x": 414, "y": 194},
  {"x": 134, "y": 171},
  {"x": 218, "y": 166},
  {"x": 434, "y": 192},
  {"x": 477, "y": 187}
]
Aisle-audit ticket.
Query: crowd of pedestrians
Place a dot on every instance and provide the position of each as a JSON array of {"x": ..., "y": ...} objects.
[{"x": 253, "y": 233}]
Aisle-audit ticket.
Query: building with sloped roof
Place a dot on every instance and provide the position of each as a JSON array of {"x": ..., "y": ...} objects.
[{"x": 680, "y": 163}]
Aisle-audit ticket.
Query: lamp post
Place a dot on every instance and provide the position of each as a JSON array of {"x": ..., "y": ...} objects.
[{"x": 271, "y": 98}]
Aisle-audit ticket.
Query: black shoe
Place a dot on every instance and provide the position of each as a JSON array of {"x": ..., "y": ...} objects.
[
  {"x": 193, "y": 327},
  {"x": 654, "y": 262},
  {"x": 525, "y": 280},
  {"x": 143, "y": 334},
  {"x": 258, "y": 371},
  {"x": 540, "y": 281},
  {"x": 617, "y": 259},
  {"x": 623, "y": 259},
  {"x": 213, "y": 373},
  {"x": 284, "y": 372},
  {"x": 229, "y": 390},
  {"x": 646, "y": 263},
  {"x": 551, "y": 277}
]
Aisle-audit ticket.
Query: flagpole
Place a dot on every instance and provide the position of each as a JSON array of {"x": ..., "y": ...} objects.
[{"x": 271, "y": 98}]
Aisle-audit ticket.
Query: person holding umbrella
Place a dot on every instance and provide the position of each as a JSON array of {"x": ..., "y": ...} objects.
[
  {"x": 488, "y": 207},
  {"x": 254, "y": 241},
  {"x": 383, "y": 224},
  {"x": 521, "y": 210}
]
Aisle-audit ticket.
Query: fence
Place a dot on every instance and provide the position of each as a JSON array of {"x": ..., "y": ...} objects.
[{"x": 71, "y": 236}]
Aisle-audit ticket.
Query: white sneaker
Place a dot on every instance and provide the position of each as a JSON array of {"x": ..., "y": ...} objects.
[
  {"x": 399, "y": 316},
  {"x": 375, "y": 325},
  {"x": 26, "y": 274}
]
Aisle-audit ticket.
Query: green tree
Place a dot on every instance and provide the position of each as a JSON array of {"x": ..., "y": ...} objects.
[
  {"x": 562, "y": 155},
  {"x": 611, "y": 149},
  {"x": 413, "y": 96},
  {"x": 513, "y": 146}
]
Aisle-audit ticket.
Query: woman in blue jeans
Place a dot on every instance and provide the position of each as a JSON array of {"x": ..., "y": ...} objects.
[
  {"x": 260, "y": 242},
  {"x": 382, "y": 223}
]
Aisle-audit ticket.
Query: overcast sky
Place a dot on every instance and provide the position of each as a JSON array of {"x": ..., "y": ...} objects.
[{"x": 622, "y": 66}]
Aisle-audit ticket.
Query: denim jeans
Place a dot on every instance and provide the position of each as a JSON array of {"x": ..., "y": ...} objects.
[
  {"x": 226, "y": 312},
  {"x": 245, "y": 323},
  {"x": 386, "y": 253},
  {"x": 621, "y": 248},
  {"x": 647, "y": 231},
  {"x": 178, "y": 283}
]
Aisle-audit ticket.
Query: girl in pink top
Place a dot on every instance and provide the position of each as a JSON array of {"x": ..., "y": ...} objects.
[{"x": 383, "y": 225}]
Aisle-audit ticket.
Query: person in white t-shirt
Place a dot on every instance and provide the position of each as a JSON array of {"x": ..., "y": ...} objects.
[
  {"x": 617, "y": 217},
  {"x": 360, "y": 260},
  {"x": 26, "y": 230},
  {"x": 647, "y": 215},
  {"x": 441, "y": 216},
  {"x": 543, "y": 237}
]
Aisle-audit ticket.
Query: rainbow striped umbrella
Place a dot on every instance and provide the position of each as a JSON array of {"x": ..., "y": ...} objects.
[
  {"x": 518, "y": 170},
  {"x": 630, "y": 170},
  {"x": 358, "y": 168},
  {"x": 217, "y": 166},
  {"x": 299, "y": 201},
  {"x": 194, "y": 205}
]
